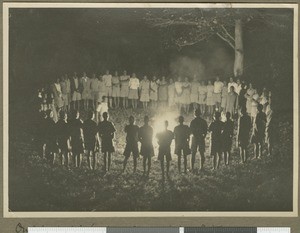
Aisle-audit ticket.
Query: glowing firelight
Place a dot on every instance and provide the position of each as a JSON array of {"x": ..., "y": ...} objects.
[{"x": 159, "y": 121}]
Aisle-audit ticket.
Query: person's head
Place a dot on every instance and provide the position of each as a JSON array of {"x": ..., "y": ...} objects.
[
  {"x": 259, "y": 107},
  {"x": 75, "y": 74},
  {"x": 66, "y": 76},
  {"x": 171, "y": 81},
  {"x": 250, "y": 85},
  {"x": 131, "y": 120},
  {"x": 232, "y": 89},
  {"x": 133, "y": 75},
  {"x": 100, "y": 77},
  {"x": 166, "y": 125},
  {"x": 238, "y": 81},
  {"x": 217, "y": 78},
  {"x": 62, "y": 78},
  {"x": 125, "y": 72},
  {"x": 179, "y": 79},
  {"x": 49, "y": 113},
  {"x": 146, "y": 120},
  {"x": 154, "y": 78},
  {"x": 186, "y": 79},
  {"x": 163, "y": 78},
  {"x": 218, "y": 115},
  {"x": 94, "y": 76},
  {"x": 181, "y": 120},
  {"x": 195, "y": 79},
  {"x": 145, "y": 78},
  {"x": 209, "y": 82},
  {"x": 197, "y": 112},
  {"x": 57, "y": 80},
  {"x": 231, "y": 79},
  {"x": 202, "y": 83},
  {"x": 91, "y": 115},
  {"x": 105, "y": 116},
  {"x": 107, "y": 72},
  {"x": 104, "y": 99},
  {"x": 116, "y": 73},
  {"x": 228, "y": 115},
  {"x": 84, "y": 74},
  {"x": 225, "y": 83}
]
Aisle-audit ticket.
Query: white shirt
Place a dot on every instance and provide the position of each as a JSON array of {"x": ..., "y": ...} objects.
[
  {"x": 58, "y": 87},
  {"x": 134, "y": 83},
  {"x": 218, "y": 85},
  {"x": 178, "y": 87},
  {"x": 107, "y": 80},
  {"x": 102, "y": 108}
]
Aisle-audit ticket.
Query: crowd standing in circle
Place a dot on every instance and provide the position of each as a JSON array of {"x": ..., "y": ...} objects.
[{"x": 63, "y": 134}]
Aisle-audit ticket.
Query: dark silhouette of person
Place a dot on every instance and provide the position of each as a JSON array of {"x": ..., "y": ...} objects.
[
  {"x": 147, "y": 151},
  {"x": 91, "y": 139},
  {"x": 40, "y": 134},
  {"x": 50, "y": 137},
  {"x": 182, "y": 138},
  {"x": 164, "y": 151},
  {"x": 106, "y": 131},
  {"x": 258, "y": 133},
  {"x": 63, "y": 138},
  {"x": 227, "y": 136},
  {"x": 198, "y": 129},
  {"x": 132, "y": 138},
  {"x": 77, "y": 139},
  {"x": 216, "y": 129},
  {"x": 244, "y": 128}
]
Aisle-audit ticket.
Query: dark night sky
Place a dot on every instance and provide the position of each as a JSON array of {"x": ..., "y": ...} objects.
[{"x": 46, "y": 43}]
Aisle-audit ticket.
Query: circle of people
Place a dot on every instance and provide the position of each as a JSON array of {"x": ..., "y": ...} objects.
[{"x": 65, "y": 134}]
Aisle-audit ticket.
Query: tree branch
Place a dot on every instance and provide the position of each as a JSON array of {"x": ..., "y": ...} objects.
[
  {"x": 227, "y": 33},
  {"x": 226, "y": 40}
]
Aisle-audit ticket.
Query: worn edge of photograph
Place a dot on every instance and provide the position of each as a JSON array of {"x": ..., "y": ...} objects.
[{"x": 9, "y": 214}]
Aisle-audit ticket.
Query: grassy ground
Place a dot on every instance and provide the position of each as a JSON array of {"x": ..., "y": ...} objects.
[{"x": 260, "y": 185}]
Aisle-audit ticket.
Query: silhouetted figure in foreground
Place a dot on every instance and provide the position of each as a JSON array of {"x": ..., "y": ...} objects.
[
  {"x": 147, "y": 151},
  {"x": 77, "y": 140},
  {"x": 91, "y": 139},
  {"x": 182, "y": 138},
  {"x": 244, "y": 134},
  {"x": 106, "y": 131},
  {"x": 216, "y": 128},
  {"x": 132, "y": 139},
  {"x": 198, "y": 128},
  {"x": 164, "y": 151},
  {"x": 227, "y": 135},
  {"x": 258, "y": 133}
]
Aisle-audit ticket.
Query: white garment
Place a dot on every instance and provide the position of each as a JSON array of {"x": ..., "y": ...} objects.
[
  {"x": 107, "y": 80},
  {"x": 102, "y": 108},
  {"x": 58, "y": 87},
  {"x": 218, "y": 85},
  {"x": 178, "y": 87},
  {"x": 134, "y": 83}
]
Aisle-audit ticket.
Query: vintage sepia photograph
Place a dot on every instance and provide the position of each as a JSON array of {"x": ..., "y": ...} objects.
[{"x": 156, "y": 109}]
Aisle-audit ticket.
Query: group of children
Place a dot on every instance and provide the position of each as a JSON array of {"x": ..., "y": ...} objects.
[
  {"x": 114, "y": 91},
  {"x": 70, "y": 136}
]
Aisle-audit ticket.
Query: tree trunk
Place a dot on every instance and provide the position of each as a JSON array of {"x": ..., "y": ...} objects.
[{"x": 239, "y": 52}]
